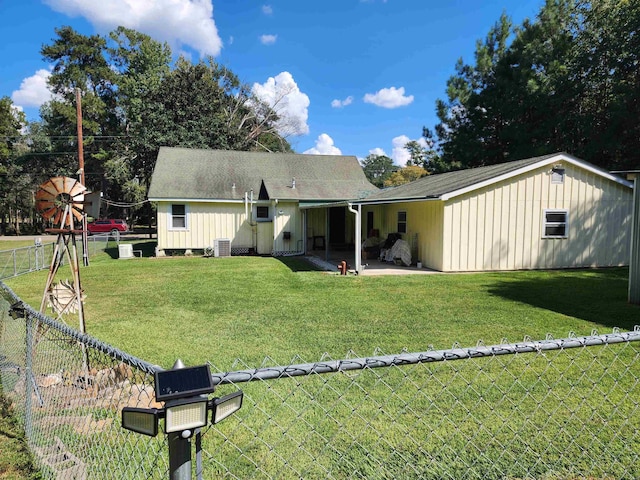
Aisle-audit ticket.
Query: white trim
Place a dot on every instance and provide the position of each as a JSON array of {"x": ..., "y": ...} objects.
[
  {"x": 170, "y": 226},
  {"x": 545, "y": 223},
  {"x": 556, "y": 158},
  {"x": 396, "y": 200},
  {"x": 196, "y": 200}
]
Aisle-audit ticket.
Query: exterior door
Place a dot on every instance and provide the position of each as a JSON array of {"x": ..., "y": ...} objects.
[{"x": 265, "y": 238}]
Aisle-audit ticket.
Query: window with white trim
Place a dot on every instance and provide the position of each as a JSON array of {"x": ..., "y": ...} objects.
[
  {"x": 262, "y": 213},
  {"x": 555, "y": 224},
  {"x": 557, "y": 175},
  {"x": 178, "y": 217},
  {"x": 402, "y": 222}
]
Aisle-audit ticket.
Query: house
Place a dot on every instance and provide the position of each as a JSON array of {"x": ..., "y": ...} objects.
[
  {"x": 553, "y": 211},
  {"x": 255, "y": 200}
]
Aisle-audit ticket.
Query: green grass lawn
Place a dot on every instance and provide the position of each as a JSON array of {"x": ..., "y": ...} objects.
[
  {"x": 15, "y": 459},
  {"x": 201, "y": 309},
  {"x": 218, "y": 310}
]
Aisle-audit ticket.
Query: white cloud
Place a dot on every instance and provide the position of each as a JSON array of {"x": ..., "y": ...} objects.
[
  {"x": 342, "y": 103},
  {"x": 34, "y": 90},
  {"x": 400, "y": 154},
  {"x": 324, "y": 146},
  {"x": 377, "y": 151},
  {"x": 389, "y": 98},
  {"x": 267, "y": 10},
  {"x": 282, "y": 94},
  {"x": 178, "y": 22},
  {"x": 268, "y": 39}
]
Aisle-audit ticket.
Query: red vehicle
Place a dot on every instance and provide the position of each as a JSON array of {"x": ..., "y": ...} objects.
[{"x": 108, "y": 225}]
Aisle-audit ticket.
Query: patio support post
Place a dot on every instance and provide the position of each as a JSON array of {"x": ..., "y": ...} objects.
[
  {"x": 358, "y": 247},
  {"x": 327, "y": 234}
]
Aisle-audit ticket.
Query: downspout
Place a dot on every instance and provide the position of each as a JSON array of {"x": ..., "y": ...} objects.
[
  {"x": 358, "y": 247},
  {"x": 304, "y": 230},
  {"x": 275, "y": 218},
  {"x": 254, "y": 229}
]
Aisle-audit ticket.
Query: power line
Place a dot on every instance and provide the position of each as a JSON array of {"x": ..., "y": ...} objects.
[
  {"x": 63, "y": 137},
  {"x": 122, "y": 204}
]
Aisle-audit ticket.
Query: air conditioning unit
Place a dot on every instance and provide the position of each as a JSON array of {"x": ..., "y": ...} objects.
[{"x": 222, "y": 247}]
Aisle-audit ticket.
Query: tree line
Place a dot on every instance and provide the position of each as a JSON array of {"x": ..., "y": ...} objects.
[
  {"x": 568, "y": 80},
  {"x": 134, "y": 100}
]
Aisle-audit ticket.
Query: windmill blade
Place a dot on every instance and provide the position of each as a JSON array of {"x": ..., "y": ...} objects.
[
  {"x": 58, "y": 216},
  {"x": 60, "y": 194},
  {"x": 76, "y": 189},
  {"x": 77, "y": 213},
  {"x": 78, "y": 201},
  {"x": 57, "y": 183},
  {"x": 47, "y": 214},
  {"x": 44, "y": 204},
  {"x": 48, "y": 189}
]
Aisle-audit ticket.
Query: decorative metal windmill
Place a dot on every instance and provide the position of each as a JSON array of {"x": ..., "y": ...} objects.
[{"x": 61, "y": 201}]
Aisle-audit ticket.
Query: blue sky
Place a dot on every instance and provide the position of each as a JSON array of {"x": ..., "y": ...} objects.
[{"x": 351, "y": 77}]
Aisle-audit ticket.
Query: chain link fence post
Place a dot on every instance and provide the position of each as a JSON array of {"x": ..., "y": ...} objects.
[{"x": 30, "y": 385}]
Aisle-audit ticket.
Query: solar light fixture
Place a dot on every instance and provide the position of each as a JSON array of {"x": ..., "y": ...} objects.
[
  {"x": 182, "y": 382},
  {"x": 17, "y": 310},
  {"x": 183, "y": 389},
  {"x": 185, "y": 414},
  {"x": 141, "y": 420},
  {"x": 222, "y": 407}
]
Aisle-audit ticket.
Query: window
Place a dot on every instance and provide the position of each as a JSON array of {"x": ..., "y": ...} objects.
[
  {"x": 178, "y": 218},
  {"x": 557, "y": 175},
  {"x": 262, "y": 212},
  {"x": 402, "y": 222},
  {"x": 556, "y": 223}
]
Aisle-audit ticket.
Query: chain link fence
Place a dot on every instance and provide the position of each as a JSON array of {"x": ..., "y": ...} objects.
[
  {"x": 565, "y": 408},
  {"x": 68, "y": 390},
  {"x": 18, "y": 261},
  {"x": 23, "y": 260}
]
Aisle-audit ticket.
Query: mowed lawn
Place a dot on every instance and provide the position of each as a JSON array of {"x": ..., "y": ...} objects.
[
  {"x": 464, "y": 419},
  {"x": 220, "y": 309}
]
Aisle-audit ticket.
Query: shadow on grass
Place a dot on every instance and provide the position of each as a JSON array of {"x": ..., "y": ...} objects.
[
  {"x": 148, "y": 249},
  {"x": 298, "y": 264},
  {"x": 597, "y": 296}
]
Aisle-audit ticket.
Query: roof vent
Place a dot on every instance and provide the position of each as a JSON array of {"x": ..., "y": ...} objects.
[{"x": 293, "y": 182}]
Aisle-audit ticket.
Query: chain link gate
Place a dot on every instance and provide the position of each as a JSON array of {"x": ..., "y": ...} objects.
[{"x": 564, "y": 408}]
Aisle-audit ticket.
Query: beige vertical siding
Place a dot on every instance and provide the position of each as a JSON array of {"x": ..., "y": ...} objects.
[
  {"x": 423, "y": 218},
  {"x": 316, "y": 222},
  {"x": 287, "y": 218},
  {"x": 500, "y": 227},
  {"x": 205, "y": 223}
]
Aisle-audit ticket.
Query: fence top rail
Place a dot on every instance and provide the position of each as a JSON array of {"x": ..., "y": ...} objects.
[
  {"x": 333, "y": 366},
  {"x": 26, "y": 247},
  {"x": 76, "y": 335}
]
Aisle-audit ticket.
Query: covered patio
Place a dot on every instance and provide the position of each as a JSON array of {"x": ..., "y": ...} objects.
[{"x": 369, "y": 267}]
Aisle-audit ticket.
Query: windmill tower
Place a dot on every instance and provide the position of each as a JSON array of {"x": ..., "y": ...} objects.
[{"x": 61, "y": 200}]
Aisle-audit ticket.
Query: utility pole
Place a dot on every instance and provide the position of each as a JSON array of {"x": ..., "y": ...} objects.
[{"x": 85, "y": 243}]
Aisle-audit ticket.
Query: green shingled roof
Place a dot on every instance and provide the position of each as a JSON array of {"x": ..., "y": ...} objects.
[
  {"x": 183, "y": 173},
  {"x": 435, "y": 186}
]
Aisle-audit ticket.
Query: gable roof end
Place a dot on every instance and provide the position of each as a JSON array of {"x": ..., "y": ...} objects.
[{"x": 448, "y": 185}]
